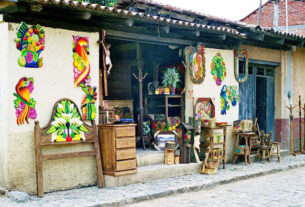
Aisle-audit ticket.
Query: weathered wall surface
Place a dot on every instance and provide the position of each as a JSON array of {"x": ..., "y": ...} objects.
[
  {"x": 3, "y": 102},
  {"x": 298, "y": 88},
  {"x": 265, "y": 54},
  {"x": 209, "y": 89},
  {"x": 51, "y": 82}
]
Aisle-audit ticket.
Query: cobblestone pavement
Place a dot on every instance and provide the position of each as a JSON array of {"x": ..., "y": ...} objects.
[
  {"x": 92, "y": 196},
  {"x": 280, "y": 189}
]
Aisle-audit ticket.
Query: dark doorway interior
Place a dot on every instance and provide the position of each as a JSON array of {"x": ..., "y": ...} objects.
[{"x": 261, "y": 102}]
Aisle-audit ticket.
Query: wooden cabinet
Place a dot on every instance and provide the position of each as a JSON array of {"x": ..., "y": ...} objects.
[{"x": 118, "y": 149}]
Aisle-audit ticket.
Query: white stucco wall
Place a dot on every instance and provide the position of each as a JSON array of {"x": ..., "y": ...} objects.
[
  {"x": 52, "y": 82},
  {"x": 209, "y": 89},
  {"x": 3, "y": 102}
]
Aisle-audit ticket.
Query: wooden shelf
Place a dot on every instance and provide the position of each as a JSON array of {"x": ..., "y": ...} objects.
[
  {"x": 166, "y": 102},
  {"x": 174, "y": 105}
]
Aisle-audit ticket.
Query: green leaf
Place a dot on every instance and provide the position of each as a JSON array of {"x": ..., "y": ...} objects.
[
  {"x": 32, "y": 103},
  {"x": 51, "y": 130},
  {"x": 17, "y": 102},
  {"x": 82, "y": 128}
]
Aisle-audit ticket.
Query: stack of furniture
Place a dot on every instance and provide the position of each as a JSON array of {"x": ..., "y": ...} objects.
[{"x": 217, "y": 150}]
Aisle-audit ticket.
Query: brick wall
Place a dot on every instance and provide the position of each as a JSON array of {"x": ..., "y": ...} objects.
[{"x": 296, "y": 14}]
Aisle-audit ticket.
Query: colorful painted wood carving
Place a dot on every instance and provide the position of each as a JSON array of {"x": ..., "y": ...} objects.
[
  {"x": 67, "y": 125},
  {"x": 81, "y": 61},
  {"x": 228, "y": 93},
  {"x": 224, "y": 100},
  {"x": 82, "y": 77},
  {"x": 24, "y": 104},
  {"x": 30, "y": 41},
  {"x": 244, "y": 54},
  {"x": 88, "y": 103},
  {"x": 218, "y": 69},
  {"x": 232, "y": 95},
  {"x": 204, "y": 108},
  {"x": 195, "y": 62}
]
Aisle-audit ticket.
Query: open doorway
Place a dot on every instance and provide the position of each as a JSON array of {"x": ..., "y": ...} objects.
[
  {"x": 123, "y": 87},
  {"x": 261, "y": 102},
  {"x": 257, "y": 96}
]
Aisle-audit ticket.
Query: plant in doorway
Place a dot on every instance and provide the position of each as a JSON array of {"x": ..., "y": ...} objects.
[{"x": 170, "y": 79}]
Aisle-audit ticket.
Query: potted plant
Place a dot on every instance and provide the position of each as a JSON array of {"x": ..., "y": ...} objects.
[{"x": 170, "y": 79}]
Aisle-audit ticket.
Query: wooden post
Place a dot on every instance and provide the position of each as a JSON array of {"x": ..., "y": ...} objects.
[
  {"x": 140, "y": 78},
  {"x": 291, "y": 128},
  {"x": 104, "y": 65},
  {"x": 38, "y": 155},
  {"x": 300, "y": 123},
  {"x": 304, "y": 127}
]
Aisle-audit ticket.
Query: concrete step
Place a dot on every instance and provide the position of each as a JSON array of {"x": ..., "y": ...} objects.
[
  {"x": 151, "y": 167},
  {"x": 149, "y": 157},
  {"x": 153, "y": 172}
]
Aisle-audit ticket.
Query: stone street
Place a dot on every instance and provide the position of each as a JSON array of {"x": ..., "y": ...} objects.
[
  {"x": 285, "y": 186},
  {"x": 280, "y": 189}
]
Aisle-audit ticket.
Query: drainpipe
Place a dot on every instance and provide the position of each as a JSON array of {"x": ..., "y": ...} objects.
[
  {"x": 259, "y": 13},
  {"x": 286, "y": 2}
]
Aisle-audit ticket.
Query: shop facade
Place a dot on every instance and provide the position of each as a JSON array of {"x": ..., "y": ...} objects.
[{"x": 164, "y": 47}]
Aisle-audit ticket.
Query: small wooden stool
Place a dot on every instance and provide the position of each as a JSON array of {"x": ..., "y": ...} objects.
[
  {"x": 278, "y": 151},
  {"x": 264, "y": 149}
]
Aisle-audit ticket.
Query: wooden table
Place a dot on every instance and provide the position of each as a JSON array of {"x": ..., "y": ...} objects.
[
  {"x": 239, "y": 149},
  {"x": 212, "y": 144}
]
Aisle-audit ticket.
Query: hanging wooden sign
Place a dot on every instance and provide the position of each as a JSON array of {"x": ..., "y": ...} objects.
[{"x": 244, "y": 54}]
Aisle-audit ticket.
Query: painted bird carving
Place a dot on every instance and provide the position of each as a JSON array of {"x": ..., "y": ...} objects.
[
  {"x": 24, "y": 104},
  {"x": 224, "y": 100},
  {"x": 81, "y": 61}
]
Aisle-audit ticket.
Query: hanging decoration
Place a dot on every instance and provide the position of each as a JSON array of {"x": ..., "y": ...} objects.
[
  {"x": 88, "y": 103},
  {"x": 30, "y": 41},
  {"x": 82, "y": 76},
  {"x": 67, "y": 125},
  {"x": 195, "y": 62},
  {"x": 232, "y": 95},
  {"x": 204, "y": 108},
  {"x": 228, "y": 93},
  {"x": 244, "y": 54},
  {"x": 24, "y": 104},
  {"x": 218, "y": 69}
]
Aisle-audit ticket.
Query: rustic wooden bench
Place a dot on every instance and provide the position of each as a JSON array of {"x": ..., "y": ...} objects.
[{"x": 66, "y": 127}]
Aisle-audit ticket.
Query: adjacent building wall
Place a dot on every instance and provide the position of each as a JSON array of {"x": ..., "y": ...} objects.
[
  {"x": 51, "y": 82},
  {"x": 298, "y": 86},
  {"x": 3, "y": 102},
  {"x": 209, "y": 89}
]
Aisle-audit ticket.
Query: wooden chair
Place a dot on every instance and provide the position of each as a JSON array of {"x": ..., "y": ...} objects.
[
  {"x": 265, "y": 146},
  {"x": 254, "y": 141},
  {"x": 50, "y": 136},
  {"x": 277, "y": 153}
]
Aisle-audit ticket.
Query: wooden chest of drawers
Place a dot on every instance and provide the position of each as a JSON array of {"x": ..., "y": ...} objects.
[{"x": 118, "y": 149}]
